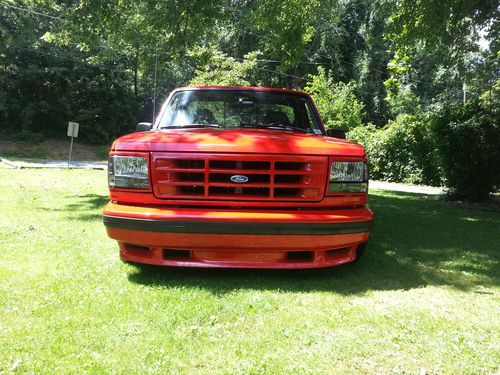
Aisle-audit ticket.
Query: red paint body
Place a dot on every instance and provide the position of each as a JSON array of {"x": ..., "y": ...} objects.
[{"x": 284, "y": 201}]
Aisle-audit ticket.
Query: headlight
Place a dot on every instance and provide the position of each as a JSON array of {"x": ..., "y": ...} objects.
[
  {"x": 128, "y": 172},
  {"x": 347, "y": 171},
  {"x": 348, "y": 176}
]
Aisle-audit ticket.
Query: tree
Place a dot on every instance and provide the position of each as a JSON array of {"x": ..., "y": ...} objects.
[
  {"x": 435, "y": 45},
  {"x": 336, "y": 102},
  {"x": 222, "y": 70}
]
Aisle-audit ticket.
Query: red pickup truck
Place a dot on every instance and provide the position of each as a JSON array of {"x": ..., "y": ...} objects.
[{"x": 237, "y": 177}]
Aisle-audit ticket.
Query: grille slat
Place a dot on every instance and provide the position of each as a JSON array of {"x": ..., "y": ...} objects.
[
  {"x": 168, "y": 169},
  {"x": 181, "y": 183},
  {"x": 232, "y": 185},
  {"x": 270, "y": 177}
]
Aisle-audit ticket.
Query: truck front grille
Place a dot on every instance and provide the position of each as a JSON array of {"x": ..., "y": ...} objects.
[{"x": 266, "y": 177}]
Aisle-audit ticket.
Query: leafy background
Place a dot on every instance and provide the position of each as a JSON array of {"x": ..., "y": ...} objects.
[{"x": 388, "y": 67}]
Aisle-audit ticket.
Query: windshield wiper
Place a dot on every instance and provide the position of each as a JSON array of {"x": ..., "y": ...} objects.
[
  {"x": 274, "y": 125},
  {"x": 278, "y": 125},
  {"x": 191, "y": 126}
]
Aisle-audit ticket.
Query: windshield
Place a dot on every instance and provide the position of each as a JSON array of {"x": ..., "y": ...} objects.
[{"x": 237, "y": 108}]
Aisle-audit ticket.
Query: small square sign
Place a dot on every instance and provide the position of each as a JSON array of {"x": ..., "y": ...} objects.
[{"x": 73, "y": 129}]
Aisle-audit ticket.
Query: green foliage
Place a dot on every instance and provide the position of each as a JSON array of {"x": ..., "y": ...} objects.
[
  {"x": 371, "y": 60},
  {"x": 401, "y": 98},
  {"x": 456, "y": 145},
  {"x": 106, "y": 109},
  {"x": 402, "y": 151},
  {"x": 221, "y": 70},
  {"x": 286, "y": 27},
  {"x": 95, "y": 62},
  {"x": 335, "y": 101},
  {"x": 437, "y": 23},
  {"x": 438, "y": 45},
  {"x": 42, "y": 92},
  {"x": 491, "y": 98},
  {"x": 468, "y": 139}
]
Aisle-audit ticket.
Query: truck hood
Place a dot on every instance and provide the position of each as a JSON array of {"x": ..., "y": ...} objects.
[{"x": 259, "y": 141}]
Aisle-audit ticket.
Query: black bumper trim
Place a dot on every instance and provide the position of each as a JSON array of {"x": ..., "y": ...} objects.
[{"x": 218, "y": 227}]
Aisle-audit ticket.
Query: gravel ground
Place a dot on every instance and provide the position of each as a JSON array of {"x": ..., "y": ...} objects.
[
  {"x": 407, "y": 188},
  {"x": 54, "y": 164}
]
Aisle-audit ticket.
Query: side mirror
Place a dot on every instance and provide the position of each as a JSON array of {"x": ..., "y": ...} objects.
[
  {"x": 336, "y": 133},
  {"x": 143, "y": 127}
]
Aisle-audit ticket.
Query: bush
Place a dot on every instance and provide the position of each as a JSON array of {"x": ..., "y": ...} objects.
[
  {"x": 468, "y": 141},
  {"x": 26, "y": 137},
  {"x": 402, "y": 151}
]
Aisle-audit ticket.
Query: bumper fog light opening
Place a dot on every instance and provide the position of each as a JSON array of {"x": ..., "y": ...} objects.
[
  {"x": 300, "y": 256},
  {"x": 176, "y": 254}
]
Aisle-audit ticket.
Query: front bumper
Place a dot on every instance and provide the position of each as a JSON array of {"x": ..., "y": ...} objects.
[{"x": 190, "y": 237}]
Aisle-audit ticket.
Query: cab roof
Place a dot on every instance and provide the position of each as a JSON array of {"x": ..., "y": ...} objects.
[{"x": 242, "y": 88}]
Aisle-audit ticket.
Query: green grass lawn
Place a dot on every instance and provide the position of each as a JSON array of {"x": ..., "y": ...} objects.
[{"x": 426, "y": 295}]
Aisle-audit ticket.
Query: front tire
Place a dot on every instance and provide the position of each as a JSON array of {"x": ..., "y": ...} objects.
[{"x": 360, "y": 251}]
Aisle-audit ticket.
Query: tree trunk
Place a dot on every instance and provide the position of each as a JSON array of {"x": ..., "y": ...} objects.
[{"x": 136, "y": 71}]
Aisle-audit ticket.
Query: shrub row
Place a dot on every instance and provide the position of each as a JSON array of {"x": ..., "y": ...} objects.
[
  {"x": 458, "y": 146},
  {"x": 468, "y": 143},
  {"x": 402, "y": 151}
]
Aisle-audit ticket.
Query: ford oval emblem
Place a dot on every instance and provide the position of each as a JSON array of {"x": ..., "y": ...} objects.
[{"x": 240, "y": 179}]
